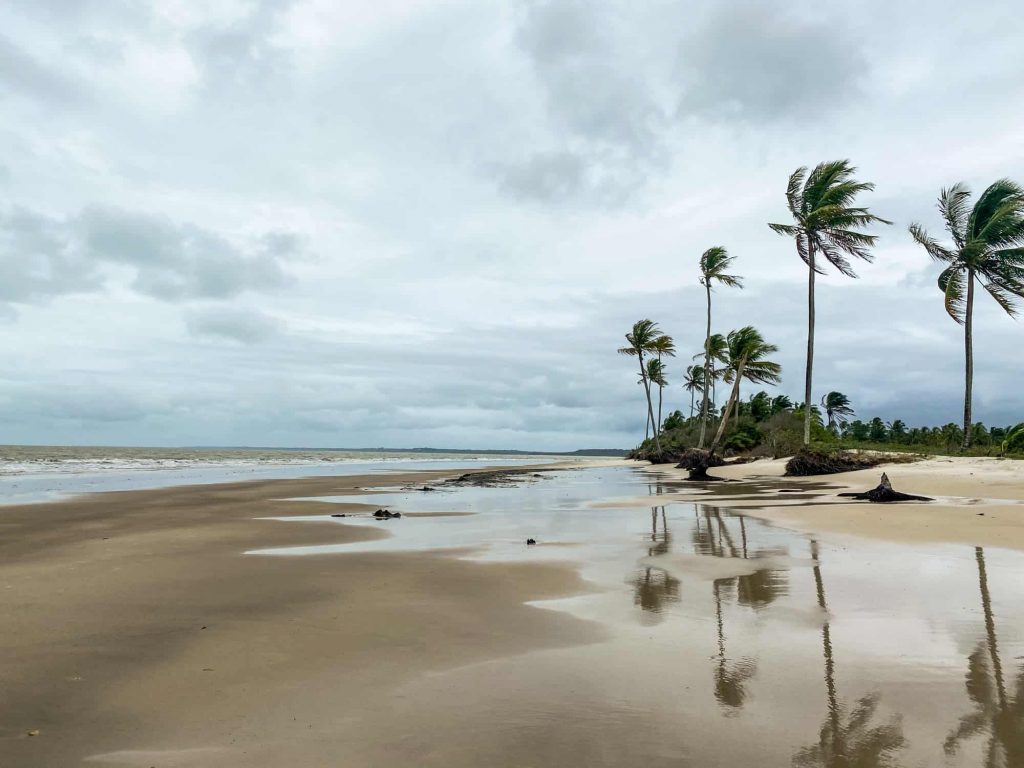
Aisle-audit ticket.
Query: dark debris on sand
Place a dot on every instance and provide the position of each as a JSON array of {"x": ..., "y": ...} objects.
[{"x": 498, "y": 478}]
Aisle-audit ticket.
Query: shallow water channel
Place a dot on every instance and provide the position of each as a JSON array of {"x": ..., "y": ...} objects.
[{"x": 724, "y": 641}]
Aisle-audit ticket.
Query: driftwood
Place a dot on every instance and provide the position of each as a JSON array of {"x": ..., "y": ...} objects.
[{"x": 884, "y": 494}]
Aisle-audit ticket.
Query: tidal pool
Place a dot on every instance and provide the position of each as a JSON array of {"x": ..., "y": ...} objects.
[{"x": 724, "y": 641}]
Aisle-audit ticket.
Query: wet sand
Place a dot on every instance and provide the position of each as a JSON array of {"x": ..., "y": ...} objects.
[
  {"x": 643, "y": 630},
  {"x": 977, "y": 501},
  {"x": 133, "y": 619}
]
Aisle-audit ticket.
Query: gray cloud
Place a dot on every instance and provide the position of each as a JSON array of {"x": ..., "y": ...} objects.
[
  {"x": 753, "y": 61},
  {"x": 39, "y": 261},
  {"x": 607, "y": 123},
  {"x": 235, "y": 324},
  {"x": 176, "y": 261},
  {"x": 42, "y": 256},
  {"x": 22, "y": 74}
]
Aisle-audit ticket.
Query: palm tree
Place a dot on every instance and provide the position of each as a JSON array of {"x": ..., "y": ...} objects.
[
  {"x": 693, "y": 382},
  {"x": 663, "y": 345},
  {"x": 641, "y": 340},
  {"x": 747, "y": 351},
  {"x": 988, "y": 244},
  {"x": 713, "y": 265},
  {"x": 827, "y": 222},
  {"x": 837, "y": 408}
]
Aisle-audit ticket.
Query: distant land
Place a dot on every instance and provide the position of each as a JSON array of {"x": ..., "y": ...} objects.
[{"x": 483, "y": 451}]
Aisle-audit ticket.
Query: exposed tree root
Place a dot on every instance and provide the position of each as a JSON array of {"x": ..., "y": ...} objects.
[{"x": 884, "y": 494}]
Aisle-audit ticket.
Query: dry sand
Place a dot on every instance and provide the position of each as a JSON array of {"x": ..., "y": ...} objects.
[{"x": 978, "y": 501}]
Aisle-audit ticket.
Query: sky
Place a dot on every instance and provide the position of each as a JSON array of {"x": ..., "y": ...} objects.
[{"x": 337, "y": 224}]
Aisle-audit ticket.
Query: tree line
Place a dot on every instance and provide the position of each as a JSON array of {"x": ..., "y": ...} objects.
[{"x": 986, "y": 249}]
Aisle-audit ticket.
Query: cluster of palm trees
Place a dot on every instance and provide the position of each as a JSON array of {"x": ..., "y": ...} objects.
[{"x": 829, "y": 229}]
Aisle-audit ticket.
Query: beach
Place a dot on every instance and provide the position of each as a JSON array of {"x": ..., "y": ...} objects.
[{"x": 655, "y": 622}]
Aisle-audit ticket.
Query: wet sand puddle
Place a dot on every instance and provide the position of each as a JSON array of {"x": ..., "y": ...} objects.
[{"x": 726, "y": 641}]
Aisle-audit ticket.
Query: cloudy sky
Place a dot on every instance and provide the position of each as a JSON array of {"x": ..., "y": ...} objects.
[{"x": 405, "y": 223}]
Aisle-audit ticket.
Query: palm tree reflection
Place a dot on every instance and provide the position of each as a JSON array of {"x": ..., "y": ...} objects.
[
  {"x": 847, "y": 738},
  {"x": 654, "y": 587},
  {"x": 996, "y": 712},
  {"x": 755, "y": 590}
]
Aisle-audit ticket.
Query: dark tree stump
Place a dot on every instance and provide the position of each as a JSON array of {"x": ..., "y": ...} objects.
[{"x": 884, "y": 494}]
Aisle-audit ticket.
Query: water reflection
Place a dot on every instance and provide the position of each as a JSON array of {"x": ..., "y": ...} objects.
[
  {"x": 847, "y": 738},
  {"x": 654, "y": 587},
  {"x": 997, "y": 714}
]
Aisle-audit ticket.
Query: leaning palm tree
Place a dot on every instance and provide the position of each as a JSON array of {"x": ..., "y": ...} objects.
[
  {"x": 988, "y": 244},
  {"x": 747, "y": 353},
  {"x": 662, "y": 346},
  {"x": 640, "y": 341},
  {"x": 837, "y": 409},
  {"x": 693, "y": 382},
  {"x": 826, "y": 223},
  {"x": 713, "y": 265}
]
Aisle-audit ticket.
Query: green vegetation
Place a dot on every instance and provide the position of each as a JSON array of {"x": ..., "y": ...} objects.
[
  {"x": 763, "y": 425},
  {"x": 988, "y": 247}
]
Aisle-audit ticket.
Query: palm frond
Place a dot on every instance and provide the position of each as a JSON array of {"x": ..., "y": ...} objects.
[
  {"x": 989, "y": 204},
  {"x": 953, "y": 205},
  {"x": 785, "y": 229},
  {"x": 824, "y": 176},
  {"x": 794, "y": 196},
  {"x": 1006, "y": 295},
  {"x": 931, "y": 245},
  {"x": 952, "y": 284}
]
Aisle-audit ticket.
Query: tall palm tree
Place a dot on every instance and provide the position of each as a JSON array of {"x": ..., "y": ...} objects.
[
  {"x": 826, "y": 223},
  {"x": 988, "y": 244},
  {"x": 663, "y": 346},
  {"x": 747, "y": 353},
  {"x": 693, "y": 382},
  {"x": 713, "y": 265},
  {"x": 640, "y": 341},
  {"x": 837, "y": 409},
  {"x": 656, "y": 377}
]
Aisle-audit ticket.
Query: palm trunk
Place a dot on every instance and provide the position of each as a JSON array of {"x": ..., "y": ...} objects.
[
  {"x": 650, "y": 408},
  {"x": 810, "y": 343},
  {"x": 692, "y": 397},
  {"x": 969, "y": 355},
  {"x": 728, "y": 406},
  {"x": 705, "y": 410},
  {"x": 660, "y": 388}
]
